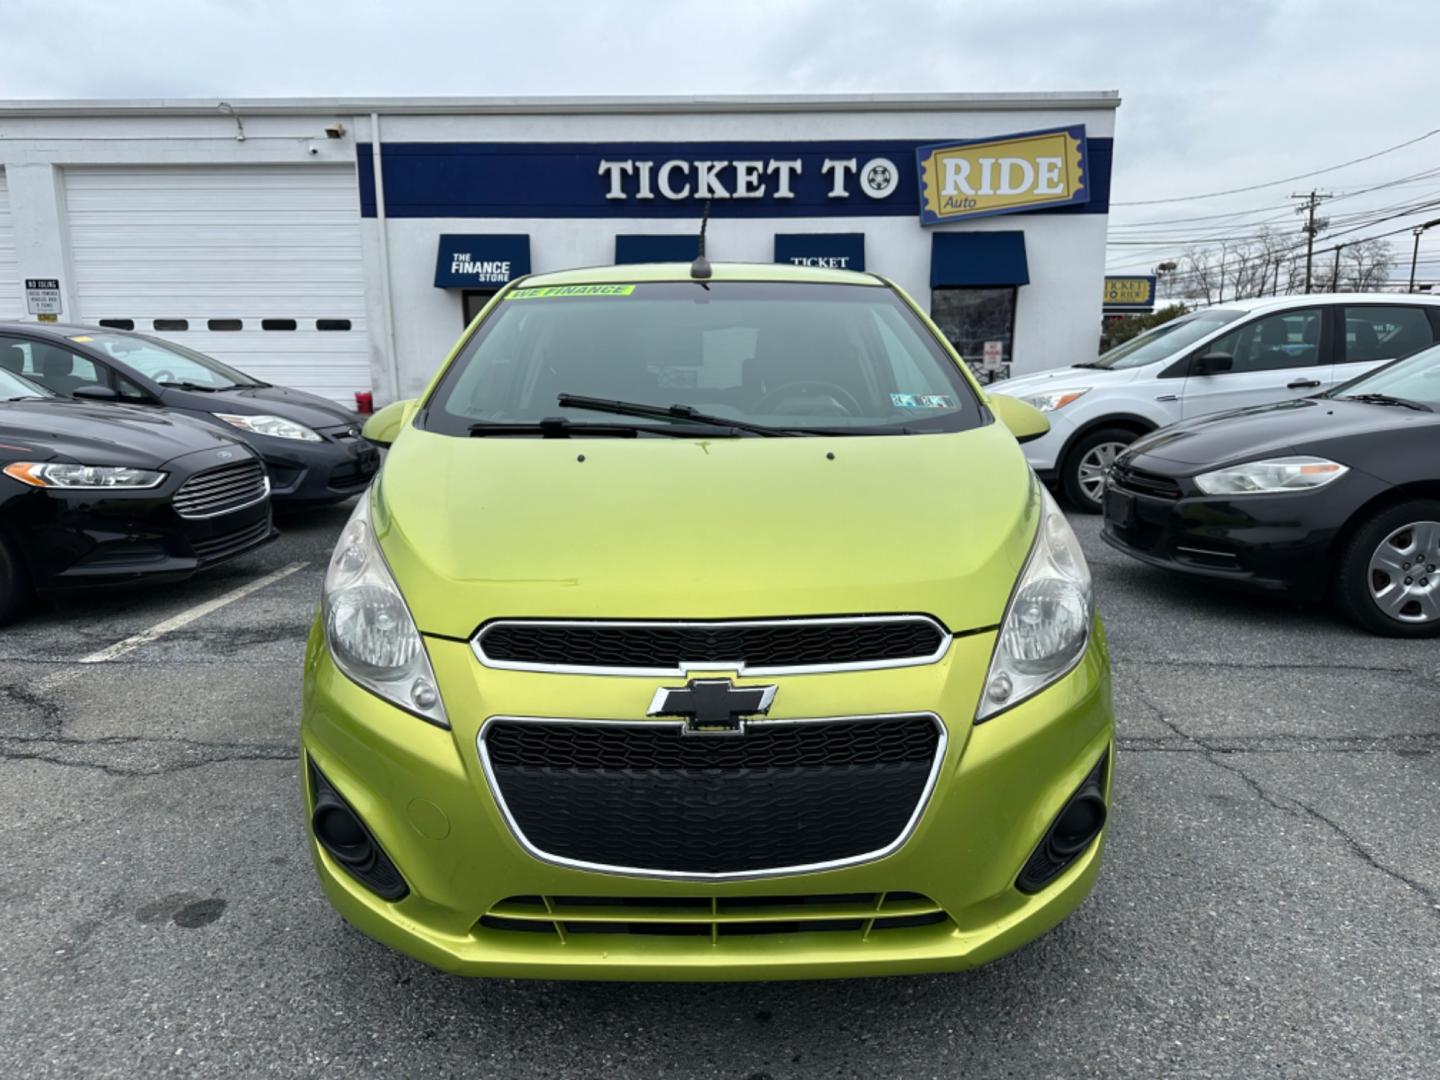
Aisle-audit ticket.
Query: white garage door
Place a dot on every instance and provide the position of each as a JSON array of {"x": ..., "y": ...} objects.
[
  {"x": 259, "y": 266},
  {"x": 12, "y": 301}
]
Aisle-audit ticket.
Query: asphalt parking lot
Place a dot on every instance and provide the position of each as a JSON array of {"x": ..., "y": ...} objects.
[{"x": 1270, "y": 903}]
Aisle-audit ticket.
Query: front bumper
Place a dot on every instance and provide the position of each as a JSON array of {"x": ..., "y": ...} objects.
[
  {"x": 1262, "y": 543},
  {"x": 422, "y": 793},
  {"x": 311, "y": 474}
]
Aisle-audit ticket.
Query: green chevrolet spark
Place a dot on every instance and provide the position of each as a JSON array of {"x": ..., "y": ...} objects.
[{"x": 706, "y": 623}]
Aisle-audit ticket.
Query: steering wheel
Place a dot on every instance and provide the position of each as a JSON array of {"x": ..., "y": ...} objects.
[
  {"x": 163, "y": 376},
  {"x": 847, "y": 401}
]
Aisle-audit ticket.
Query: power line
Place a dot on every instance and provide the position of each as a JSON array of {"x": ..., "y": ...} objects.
[{"x": 1283, "y": 180}]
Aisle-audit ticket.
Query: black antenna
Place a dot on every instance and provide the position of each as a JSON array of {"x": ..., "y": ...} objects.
[{"x": 700, "y": 268}]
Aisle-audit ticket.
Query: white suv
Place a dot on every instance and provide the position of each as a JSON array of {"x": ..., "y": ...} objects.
[{"x": 1249, "y": 352}]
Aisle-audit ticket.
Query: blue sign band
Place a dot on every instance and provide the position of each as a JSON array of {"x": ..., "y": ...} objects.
[{"x": 577, "y": 180}]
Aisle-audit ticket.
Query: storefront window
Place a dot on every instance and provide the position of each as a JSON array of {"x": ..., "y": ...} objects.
[{"x": 972, "y": 319}]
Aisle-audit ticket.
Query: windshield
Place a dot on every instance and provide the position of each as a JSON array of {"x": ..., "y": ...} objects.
[
  {"x": 1166, "y": 340},
  {"x": 1416, "y": 378},
  {"x": 842, "y": 359},
  {"x": 14, "y": 386},
  {"x": 166, "y": 363}
]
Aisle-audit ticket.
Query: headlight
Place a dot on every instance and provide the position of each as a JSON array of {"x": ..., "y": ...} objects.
[
  {"x": 1050, "y": 400},
  {"x": 277, "y": 427},
  {"x": 371, "y": 636},
  {"x": 1047, "y": 624},
  {"x": 1301, "y": 473},
  {"x": 83, "y": 477}
]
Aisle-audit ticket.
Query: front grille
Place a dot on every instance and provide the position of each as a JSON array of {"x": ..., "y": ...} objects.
[
  {"x": 1145, "y": 483},
  {"x": 649, "y": 798},
  {"x": 753, "y": 646},
  {"x": 220, "y": 547},
  {"x": 219, "y": 491},
  {"x": 860, "y": 915}
]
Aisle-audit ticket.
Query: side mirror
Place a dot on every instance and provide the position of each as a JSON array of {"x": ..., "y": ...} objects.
[
  {"x": 95, "y": 393},
  {"x": 385, "y": 426},
  {"x": 1212, "y": 363},
  {"x": 1025, "y": 422}
]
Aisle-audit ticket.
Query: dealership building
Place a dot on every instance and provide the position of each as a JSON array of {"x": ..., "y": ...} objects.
[{"x": 340, "y": 245}]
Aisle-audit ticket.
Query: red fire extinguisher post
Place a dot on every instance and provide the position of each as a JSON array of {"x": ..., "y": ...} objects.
[{"x": 364, "y": 402}]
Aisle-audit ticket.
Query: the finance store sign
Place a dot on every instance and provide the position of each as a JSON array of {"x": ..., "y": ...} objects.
[{"x": 1046, "y": 171}]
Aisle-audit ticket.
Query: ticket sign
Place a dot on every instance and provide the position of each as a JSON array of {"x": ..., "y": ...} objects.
[
  {"x": 42, "y": 296},
  {"x": 1039, "y": 169},
  {"x": 1129, "y": 294}
]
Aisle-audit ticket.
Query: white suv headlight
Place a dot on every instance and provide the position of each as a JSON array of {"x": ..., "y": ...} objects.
[
  {"x": 277, "y": 427},
  {"x": 1047, "y": 625},
  {"x": 1050, "y": 400},
  {"x": 368, "y": 627},
  {"x": 1300, "y": 473}
]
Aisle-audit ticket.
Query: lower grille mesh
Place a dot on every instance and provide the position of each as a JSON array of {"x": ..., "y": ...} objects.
[
  {"x": 714, "y": 917},
  {"x": 648, "y": 797}
]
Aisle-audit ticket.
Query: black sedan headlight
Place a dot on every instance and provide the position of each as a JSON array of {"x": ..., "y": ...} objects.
[
  {"x": 1299, "y": 473},
  {"x": 44, "y": 474}
]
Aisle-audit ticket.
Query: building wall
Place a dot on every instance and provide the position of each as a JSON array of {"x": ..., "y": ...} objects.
[{"x": 1057, "y": 317}]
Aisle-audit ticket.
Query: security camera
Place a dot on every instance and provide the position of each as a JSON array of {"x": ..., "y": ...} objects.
[
  {"x": 312, "y": 149},
  {"x": 335, "y": 131}
]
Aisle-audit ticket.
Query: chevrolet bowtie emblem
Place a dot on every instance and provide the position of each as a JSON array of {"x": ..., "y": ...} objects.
[{"x": 714, "y": 706}]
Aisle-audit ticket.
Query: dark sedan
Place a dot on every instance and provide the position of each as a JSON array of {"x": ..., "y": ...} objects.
[
  {"x": 311, "y": 446},
  {"x": 95, "y": 495},
  {"x": 1337, "y": 494}
]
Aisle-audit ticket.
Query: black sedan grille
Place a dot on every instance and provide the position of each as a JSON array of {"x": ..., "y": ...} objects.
[
  {"x": 221, "y": 490},
  {"x": 649, "y": 798},
  {"x": 759, "y": 646},
  {"x": 220, "y": 547},
  {"x": 1141, "y": 482}
]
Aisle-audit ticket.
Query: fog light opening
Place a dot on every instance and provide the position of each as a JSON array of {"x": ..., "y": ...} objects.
[
  {"x": 341, "y": 833},
  {"x": 1078, "y": 824},
  {"x": 348, "y": 841}
]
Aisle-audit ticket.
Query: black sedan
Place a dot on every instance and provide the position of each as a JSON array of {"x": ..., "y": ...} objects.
[
  {"x": 94, "y": 495},
  {"x": 311, "y": 446},
  {"x": 1337, "y": 494}
]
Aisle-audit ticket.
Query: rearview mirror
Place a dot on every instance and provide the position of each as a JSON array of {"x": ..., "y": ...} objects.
[
  {"x": 383, "y": 428},
  {"x": 1212, "y": 363},
  {"x": 95, "y": 393},
  {"x": 1025, "y": 422}
]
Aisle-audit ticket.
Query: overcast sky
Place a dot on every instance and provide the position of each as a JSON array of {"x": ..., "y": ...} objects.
[{"x": 1216, "y": 95}]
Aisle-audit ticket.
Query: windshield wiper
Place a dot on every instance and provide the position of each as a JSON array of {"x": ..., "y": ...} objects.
[
  {"x": 684, "y": 413},
  {"x": 198, "y": 387},
  {"x": 557, "y": 427},
  {"x": 1090, "y": 363},
  {"x": 1390, "y": 399}
]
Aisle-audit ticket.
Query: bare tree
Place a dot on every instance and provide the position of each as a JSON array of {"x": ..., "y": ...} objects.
[
  {"x": 1365, "y": 265},
  {"x": 1199, "y": 275}
]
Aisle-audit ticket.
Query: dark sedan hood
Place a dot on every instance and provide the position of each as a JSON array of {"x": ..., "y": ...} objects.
[
  {"x": 309, "y": 409},
  {"x": 103, "y": 434},
  {"x": 1293, "y": 427}
]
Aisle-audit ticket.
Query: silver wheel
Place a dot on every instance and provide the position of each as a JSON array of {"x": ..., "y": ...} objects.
[
  {"x": 1403, "y": 581},
  {"x": 1095, "y": 466}
]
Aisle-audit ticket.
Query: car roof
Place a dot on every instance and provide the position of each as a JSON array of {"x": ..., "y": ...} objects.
[
  {"x": 55, "y": 330},
  {"x": 640, "y": 273},
  {"x": 1272, "y": 303}
]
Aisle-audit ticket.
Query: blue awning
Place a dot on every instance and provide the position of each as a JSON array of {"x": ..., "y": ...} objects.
[
  {"x": 470, "y": 261},
  {"x": 835, "y": 251},
  {"x": 646, "y": 249},
  {"x": 978, "y": 259}
]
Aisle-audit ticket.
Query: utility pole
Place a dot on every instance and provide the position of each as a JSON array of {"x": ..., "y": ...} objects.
[
  {"x": 1311, "y": 226},
  {"x": 1335, "y": 273}
]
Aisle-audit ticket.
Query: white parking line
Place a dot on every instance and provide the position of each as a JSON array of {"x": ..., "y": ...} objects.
[{"x": 160, "y": 629}]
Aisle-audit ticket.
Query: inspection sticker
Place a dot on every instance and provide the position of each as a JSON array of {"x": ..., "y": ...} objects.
[
  {"x": 922, "y": 401},
  {"x": 554, "y": 291}
]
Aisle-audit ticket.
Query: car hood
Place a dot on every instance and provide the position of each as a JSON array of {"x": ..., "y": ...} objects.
[
  {"x": 1056, "y": 378},
  {"x": 104, "y": 434},
  {"x": 1287, "y": 427},
  {"x": 304, "y": 408},
  {"x": 475, "y": 529}
]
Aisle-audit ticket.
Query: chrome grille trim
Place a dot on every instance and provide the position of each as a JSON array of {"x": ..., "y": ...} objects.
[
  {"x": 222, "y": 490},
  {"x": 941, "y": 745},
  {"x": 717, "y": 664}
]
